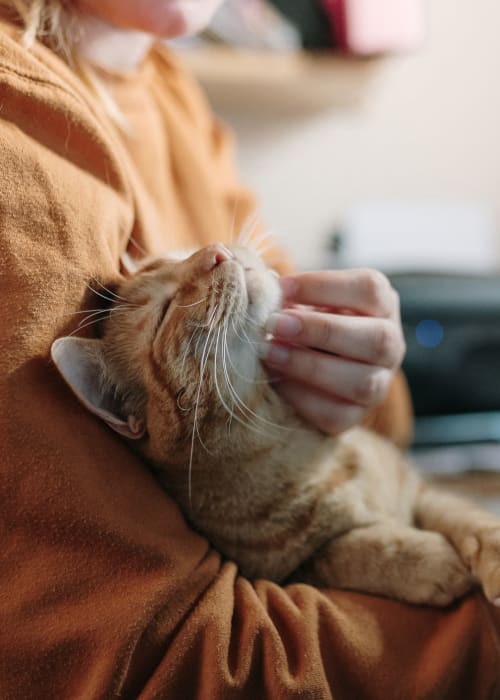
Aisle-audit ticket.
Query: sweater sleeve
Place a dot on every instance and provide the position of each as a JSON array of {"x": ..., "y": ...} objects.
[{"x": 105, "y": 592}]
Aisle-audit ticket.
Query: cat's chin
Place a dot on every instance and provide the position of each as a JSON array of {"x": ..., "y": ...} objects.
[{"x": 261, "y": 286}]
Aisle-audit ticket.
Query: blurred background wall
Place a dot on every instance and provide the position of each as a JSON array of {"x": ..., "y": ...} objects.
[{"x": 426, "y": 127}]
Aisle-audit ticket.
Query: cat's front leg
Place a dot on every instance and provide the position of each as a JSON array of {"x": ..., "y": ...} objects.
[
  {"x": 391, "y": 560},
  {"x": 474, "y": 533}
]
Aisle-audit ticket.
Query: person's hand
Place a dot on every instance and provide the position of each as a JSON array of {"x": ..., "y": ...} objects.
[{"x": 336, "y": 346}]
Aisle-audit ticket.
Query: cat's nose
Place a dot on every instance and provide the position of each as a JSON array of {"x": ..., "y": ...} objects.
[{"x": 214, "y": 255}]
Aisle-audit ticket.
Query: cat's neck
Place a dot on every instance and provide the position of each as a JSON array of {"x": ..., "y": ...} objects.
[{"x": 252, "y": 457}]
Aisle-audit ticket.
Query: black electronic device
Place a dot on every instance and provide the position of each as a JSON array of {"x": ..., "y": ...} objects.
[{"x": 452, "y": 330}]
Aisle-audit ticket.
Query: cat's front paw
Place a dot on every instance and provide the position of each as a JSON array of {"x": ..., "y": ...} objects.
[
  {"x": 441, "y": 577},
  {"x": 481, "y": 551}
]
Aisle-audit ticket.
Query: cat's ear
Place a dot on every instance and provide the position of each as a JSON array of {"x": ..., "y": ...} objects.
[{"x": 82, "y": 365}]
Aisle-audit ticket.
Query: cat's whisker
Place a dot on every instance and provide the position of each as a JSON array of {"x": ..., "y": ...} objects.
[
  {"x": 252, "y": 322},
  {"x": 217, "y": 389},
  {"x": 204, "y": 359},
  {"x": 247, "y": 338},
  {"x": 235, "y": 330},
  {"x": 99, "y": 294},
  {"x": 263, "y": 236},
  {"x": 250, "y": 380},
  {"x": 198, "y": 341},
  {"x": 109, "y": 291},
  {"x": 86, "y": 325},
  {"x": 99, "y": 312},
  {"x": 139, "y": 247},
  {"x": 206, "y": 362},
  {"x": 188, "y": 306},
  {"x": 243, "y": 234},
  {"x": 260, "y": 243},
  {"x": 206, "y": 324},
  {"x": 233, "y": 221},
  {"x": 85, "y": 311},
  {"x": 247, "y": 423},
  {"x": 105, "y": 310},
  {"x": 89, "y": 316},
  {"x": 186, "y": 350},
  {"x": 261, "y": 418},
  {"x": 96, "y": 317},
  {"x": 209, "y": 341},
  {"x": 241, "y": 404},
  {"x": 198, "y": 326},
  {"x": 248, "y": 228},
  {"x": 212, "y": 317},
  {"x": 246, "y": 420}
]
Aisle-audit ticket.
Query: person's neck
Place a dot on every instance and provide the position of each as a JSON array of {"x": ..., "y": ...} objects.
[{"x": 112, "y": 48}]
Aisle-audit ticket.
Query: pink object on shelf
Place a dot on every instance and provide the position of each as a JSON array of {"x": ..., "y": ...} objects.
[{"x": 367, "y": 27}]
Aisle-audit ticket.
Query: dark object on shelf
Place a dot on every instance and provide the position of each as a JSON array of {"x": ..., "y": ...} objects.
[
  {"x": 452, "y": 330},
  {"x": 312, "y": 21}
]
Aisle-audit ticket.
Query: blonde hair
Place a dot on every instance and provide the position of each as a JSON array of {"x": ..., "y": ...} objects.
[
  {"x": 55, "y": 23},
  {"x": 50, "y": 21}
]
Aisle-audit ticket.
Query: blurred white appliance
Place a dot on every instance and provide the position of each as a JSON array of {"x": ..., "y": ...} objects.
[{"x": 398, "y": 236}]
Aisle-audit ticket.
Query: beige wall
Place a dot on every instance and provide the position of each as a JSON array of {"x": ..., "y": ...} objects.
[{"x": 428, "y": 126}]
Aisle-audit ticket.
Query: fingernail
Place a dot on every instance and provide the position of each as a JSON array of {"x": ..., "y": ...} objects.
[
  {"x": 289, "y": 286},
  {"x": 283, "y": 325},
  {"x": 274, "y": 354}
]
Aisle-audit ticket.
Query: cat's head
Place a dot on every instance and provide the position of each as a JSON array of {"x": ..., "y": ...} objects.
[{"x": 178, "y": 352}]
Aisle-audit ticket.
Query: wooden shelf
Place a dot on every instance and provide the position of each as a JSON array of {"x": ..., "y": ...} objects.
[{"x": 260, "y": 79}]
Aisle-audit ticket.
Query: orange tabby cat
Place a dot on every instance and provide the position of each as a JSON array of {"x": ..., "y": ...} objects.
[{"x": 177, "y": 372}]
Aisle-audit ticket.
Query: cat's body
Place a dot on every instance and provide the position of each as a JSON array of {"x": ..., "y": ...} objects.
[{"x": 177, "y": 370}]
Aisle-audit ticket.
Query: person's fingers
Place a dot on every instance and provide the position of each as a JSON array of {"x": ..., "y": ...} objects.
[
  {"x": 372, "y": 340},
  {"x": 367, "y": 291},
  {"x": 325, "y": 413},
  {"x": 352, "y": 382}
]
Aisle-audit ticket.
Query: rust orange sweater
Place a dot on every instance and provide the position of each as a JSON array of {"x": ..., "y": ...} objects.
[{"x": 104, "y": 590}]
